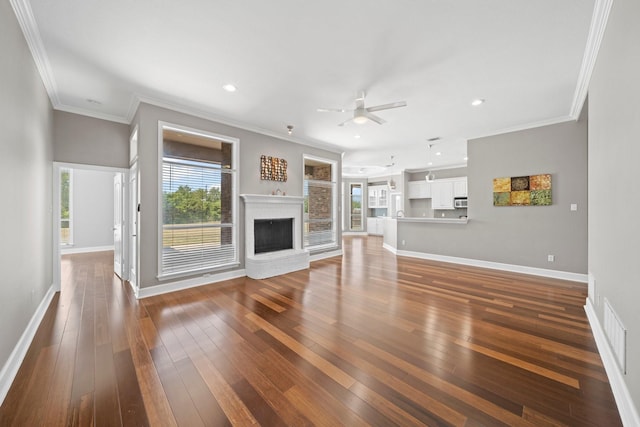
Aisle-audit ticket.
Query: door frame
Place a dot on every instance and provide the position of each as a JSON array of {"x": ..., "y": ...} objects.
[{"x": 57, "y": 166}]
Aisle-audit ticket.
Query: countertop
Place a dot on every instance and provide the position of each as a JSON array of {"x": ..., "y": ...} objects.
[{"x": 434, "y": 220}]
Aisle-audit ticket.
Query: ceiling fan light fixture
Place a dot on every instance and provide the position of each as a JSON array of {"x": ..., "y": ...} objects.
[{"x": 360, "y": 119}]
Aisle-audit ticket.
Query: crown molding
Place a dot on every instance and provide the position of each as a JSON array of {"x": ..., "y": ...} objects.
[
  {"x": 195, "y": 111},
  {"x": 27, "y": 23},
  {"x": 525, "y": 126},
  {"x": 596, "y": 34},
  {"x": 91, "y": 113}
]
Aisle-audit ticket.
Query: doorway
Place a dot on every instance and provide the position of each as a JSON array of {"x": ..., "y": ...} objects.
[{"x": 84, "y": 213}]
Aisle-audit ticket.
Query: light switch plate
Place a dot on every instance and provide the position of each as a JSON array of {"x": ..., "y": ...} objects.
[{"x": 574, "y": 206}]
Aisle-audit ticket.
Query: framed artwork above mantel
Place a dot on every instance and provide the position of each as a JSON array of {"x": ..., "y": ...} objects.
[{"x": 273, "y": 169}]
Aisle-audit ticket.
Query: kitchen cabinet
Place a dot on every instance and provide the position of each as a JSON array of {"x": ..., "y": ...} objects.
[
  {"x": 442, "y": 194},
  {"x": 419, "y": 190},
  {"x": 460, "y": 187},
  {"x": 375, "y": 226},
  {"x": 378, "y": 196}
]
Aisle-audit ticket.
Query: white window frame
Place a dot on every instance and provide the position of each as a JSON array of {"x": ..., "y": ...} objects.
[
  {"x": 235, "y": 143},
  {"x": 70, "y": 240},
  {"x": 334, "y": 201}
]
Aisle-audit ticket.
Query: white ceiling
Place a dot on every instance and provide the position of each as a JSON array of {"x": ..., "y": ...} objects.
[{"x": 290, "y": 57}]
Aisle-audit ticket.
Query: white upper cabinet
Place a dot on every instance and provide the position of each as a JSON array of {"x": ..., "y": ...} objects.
[
  {"x": 378, "y": 196},
  {"x": 419, "y": 190},
  {"x": 442, "y": 194},
  {"x": 460, "y": 187}
]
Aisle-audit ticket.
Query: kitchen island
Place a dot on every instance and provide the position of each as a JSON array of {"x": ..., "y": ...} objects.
[{"x": 430, "y": 235}]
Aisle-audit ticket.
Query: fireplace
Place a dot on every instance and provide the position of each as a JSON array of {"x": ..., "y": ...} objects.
[
  {"x": 270, "y": 235},
  {"x": 266, "y": 217}
]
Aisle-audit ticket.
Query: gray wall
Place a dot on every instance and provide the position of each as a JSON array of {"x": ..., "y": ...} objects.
[
  {"x": 252, "y": 146},
  {"x": 521, "y": 236},
  {"x": 614, "y": 132},
  {"x": 26, "y": 155},
  {"x": 92, "y": 208},
  {"x": 89, "y": 141}
]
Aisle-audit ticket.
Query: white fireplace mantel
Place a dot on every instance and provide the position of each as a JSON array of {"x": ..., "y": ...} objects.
[{"x": 259, "y": 206}]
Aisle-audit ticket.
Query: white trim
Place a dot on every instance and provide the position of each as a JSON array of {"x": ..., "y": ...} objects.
[
  {"x": 11, "y": 366},
  {"x": 325, "y": 255},
  {"x": 555, "y": 274},
  {"x": 189, "y": 283},
  {"x": 354, "y": 233},
  {"x": 27, "y": 22},
  {"x": 195, "y": 111},
  {"x": 524, "y": 126},
  {"x": 390, "y": 248},
  {"x": 91, "y": 113},
  {"x": 626, "y": 408},
  {"x": 74, "y": 250},
  {"x": 596, "y": 33}
]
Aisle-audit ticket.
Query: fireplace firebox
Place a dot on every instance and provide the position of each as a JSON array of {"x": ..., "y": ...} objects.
[{"x": 272, "y": 234}]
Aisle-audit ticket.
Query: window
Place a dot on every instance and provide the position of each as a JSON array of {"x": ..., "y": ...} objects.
[
  {"x": 66, "y": 184},
  {"x": 199, "y": 226},
  {"x": 355, "y": 211},
  {"x": 320, "y": 207}
]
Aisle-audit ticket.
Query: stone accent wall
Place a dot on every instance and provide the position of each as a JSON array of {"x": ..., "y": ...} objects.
[{"x": 319, "y": 198}]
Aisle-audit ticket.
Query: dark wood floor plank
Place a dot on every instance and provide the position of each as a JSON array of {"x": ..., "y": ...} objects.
[{"x": 368, "y": 338}]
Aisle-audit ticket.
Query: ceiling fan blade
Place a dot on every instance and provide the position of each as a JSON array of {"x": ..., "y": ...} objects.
[
  {"x": 374, "y": 118},
  {"x": 345, "y": 122},
  {"x": 333, "y": 110},
  {"x": 387, "y": 106}
]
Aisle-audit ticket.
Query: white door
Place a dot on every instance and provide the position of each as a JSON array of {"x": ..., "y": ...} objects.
[
  {"x": 118, "y": 225},
  {"x": 133, "y": 226}
]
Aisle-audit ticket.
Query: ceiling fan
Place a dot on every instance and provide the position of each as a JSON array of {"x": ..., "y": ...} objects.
[{"x": 362, "y": 114}]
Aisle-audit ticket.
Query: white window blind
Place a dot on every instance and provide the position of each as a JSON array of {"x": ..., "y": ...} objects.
[{"x": 198, "y": 229}]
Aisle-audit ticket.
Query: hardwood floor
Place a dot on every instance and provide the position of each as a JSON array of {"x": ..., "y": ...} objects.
[{"x": 366, "y": 339}]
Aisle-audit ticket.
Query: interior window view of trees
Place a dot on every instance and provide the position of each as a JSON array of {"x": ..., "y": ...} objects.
[
  {"x": 66, "y": 237},
  {"x": 356, "y": 213},
  {"x": 197, "y": 209}
]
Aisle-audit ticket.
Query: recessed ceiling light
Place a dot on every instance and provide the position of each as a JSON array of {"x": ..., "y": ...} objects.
[
  {"x": 356, "y": 136},
  {"x": 438, "y": 153},
  {"x": 430, "y": 164},
  {"x": 229, "y": 87},
  {"x": 477, "y": 102}
]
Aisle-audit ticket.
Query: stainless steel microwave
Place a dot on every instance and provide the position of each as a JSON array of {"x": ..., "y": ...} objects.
[{"x": 460, "y": 203}]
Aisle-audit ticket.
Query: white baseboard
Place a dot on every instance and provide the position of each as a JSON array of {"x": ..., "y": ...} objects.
[
  {"x": 555, "y": 274},
  {"x": 10, "y": 368},
  {"x": 189, "y": 283},
  {"x": 390, "y": 248},
  {"x": 72, "y": 250},
  {"x": 626, "y": 408},
  {"x": 325, "y": 255}
]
